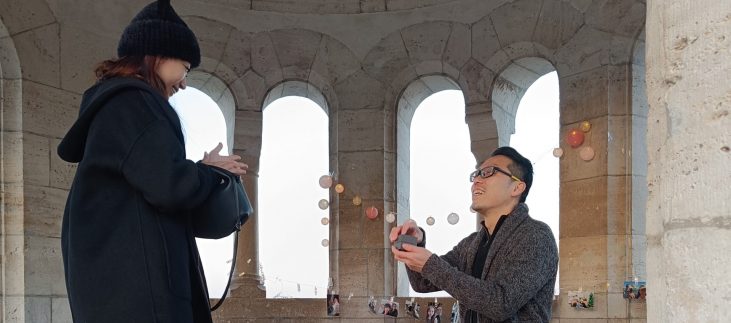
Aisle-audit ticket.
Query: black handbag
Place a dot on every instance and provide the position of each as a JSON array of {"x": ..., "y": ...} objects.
[{"x": 224, "y": 212}]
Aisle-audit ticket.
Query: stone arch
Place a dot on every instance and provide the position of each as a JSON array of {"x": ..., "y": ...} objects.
[
  {"x": 219, "y": 91},
  {"x": 12, "y": 236},
  {"x": 509, "y": 88},
  {"x": 307, "y": 90},
  {"x": 408, "y": 101},
  {"x": 435, "y": 47}
]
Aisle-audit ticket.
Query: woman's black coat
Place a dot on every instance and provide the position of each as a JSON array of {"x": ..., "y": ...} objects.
[{"x": 128, "y": 249}]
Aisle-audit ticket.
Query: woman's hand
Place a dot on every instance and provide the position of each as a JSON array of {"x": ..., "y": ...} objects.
[{"x": 229, "y": 163}]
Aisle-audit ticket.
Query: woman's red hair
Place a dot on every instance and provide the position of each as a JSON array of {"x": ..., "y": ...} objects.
[{"x": 139, "y": 67}]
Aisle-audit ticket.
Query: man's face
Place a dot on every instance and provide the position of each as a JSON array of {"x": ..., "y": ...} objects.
[{"x": 495, "y": 191}]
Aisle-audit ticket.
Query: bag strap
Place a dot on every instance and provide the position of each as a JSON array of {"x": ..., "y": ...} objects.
[{"x": 230, "y": 274}]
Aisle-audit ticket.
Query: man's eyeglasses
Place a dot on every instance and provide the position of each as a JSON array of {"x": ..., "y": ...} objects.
[
  {"x": 187, "y": 69},
  {"x": 489, "y": 171}
]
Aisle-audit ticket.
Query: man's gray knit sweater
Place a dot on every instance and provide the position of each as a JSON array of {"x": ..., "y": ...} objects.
[{"x": 517, "y": 280}]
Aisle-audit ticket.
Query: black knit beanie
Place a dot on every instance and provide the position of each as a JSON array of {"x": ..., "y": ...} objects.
[{"x": 157, "y": 30}]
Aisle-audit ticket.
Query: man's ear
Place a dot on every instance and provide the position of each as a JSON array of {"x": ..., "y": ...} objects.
[{"x": 518, "y": 189}]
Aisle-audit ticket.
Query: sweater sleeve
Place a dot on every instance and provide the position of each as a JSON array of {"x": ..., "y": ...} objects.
[
  {"x": 423, "y": 285},
  {"x": 156, "y": 166},
  {"x": 518, "y": 276}
]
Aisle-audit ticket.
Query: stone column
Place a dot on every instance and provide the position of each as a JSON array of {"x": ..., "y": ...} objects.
[
  {"x": 247, "y": 144},
  {"x": 688, "y": 214},
  {"x": 595, "y": 210}
]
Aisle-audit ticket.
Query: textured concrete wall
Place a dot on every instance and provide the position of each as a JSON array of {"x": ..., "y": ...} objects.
[{"x": 688, "y": 217}]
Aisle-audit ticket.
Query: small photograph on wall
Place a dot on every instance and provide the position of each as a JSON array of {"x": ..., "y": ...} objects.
[
  {"x": 372, "y": 305},
  {"x": 412, "y": 308},
  {"x": 581, "y": 299},
  {"x": 434, "y": 313},
  {"x": 634, "y": 290},
  {"x": 455, "y": 312},
  {"x": 388, "y": 307},
  {"x": 333, "y": 305}
]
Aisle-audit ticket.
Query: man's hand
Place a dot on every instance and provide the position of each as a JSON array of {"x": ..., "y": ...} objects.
[
  {"x": 413, "y": 257},
  {"x": 229, "y": 163},
  {"x": 409, "y": 227}
]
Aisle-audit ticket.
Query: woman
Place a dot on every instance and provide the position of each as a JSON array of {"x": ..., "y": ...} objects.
[{"x": 128, "y": 248}]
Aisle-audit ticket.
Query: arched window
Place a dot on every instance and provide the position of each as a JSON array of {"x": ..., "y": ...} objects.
[
  {"x": 431, "y": 135},
  {"x": 294, "y": 155},
  {"x": 536, "y": 135},
  {"x": 204, "y": 126}
]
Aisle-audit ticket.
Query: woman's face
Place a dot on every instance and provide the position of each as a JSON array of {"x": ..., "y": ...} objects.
[{"x": 173, "y": 71}]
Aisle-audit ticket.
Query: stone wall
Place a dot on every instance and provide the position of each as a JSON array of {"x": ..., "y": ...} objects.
[
  {"x": 688, "y": 217},
  {"x": 361, "y": 58}
]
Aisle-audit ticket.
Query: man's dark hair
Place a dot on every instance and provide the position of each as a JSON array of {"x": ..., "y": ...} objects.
[{"x": 520, "y": 166}]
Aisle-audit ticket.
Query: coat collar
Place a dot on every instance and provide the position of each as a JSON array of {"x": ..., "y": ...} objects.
[{"x": 501, "y": 237}]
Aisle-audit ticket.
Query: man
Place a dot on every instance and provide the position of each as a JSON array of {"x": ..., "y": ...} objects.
[{"x": 506, "y": 271}]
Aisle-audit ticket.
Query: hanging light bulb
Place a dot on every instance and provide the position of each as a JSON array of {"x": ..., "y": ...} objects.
[
  {"x": 391, "y": 217},
  {"x": 326, "y": 181},
  {"x": 453, "y": 218},
  {"x": 323, "y": 204}
]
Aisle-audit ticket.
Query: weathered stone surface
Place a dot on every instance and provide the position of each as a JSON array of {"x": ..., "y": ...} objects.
[
  {"x": 353, "y": 267},
  {"x": 296, "y": 49},
  {"x": 584, "y": 96},
  {"x": 12, "y": 157},
  {"x": 237, "y": 54},
  {"x": 557, "y": 23},
  {"x": 376, "y": 268},
  {"x": 44, "y": 267},
  {"x": 362, "y": 173},
  {"x": 19, "y": 16},
  {"x": 80, "y": 50},
  {"x": 587, "y": 214},
  {"x": 247, "y": 137},
  {"x": 334, "y": 61},
  {"x": 307, "y": 6},
  {"x": 458, "y": 49},
  {"x": 583, "y": 263},
  {"x": 393, "y": 5},
  {"x": 212, "y": 36},
  {"x": 13, "y": 202},
  {"x": 60, "y": 310},
  {"x": 367, "y": 6},
  {"x": 47, "y": 110},
  {"x": 475, "y": 80},
  {"x": 264, "y": 59},
  {"x": 586, "y": 50},
  {"x": 364, "y": 124},
  {"x": 14, "y": 262},
  {"x": 510, "y": 21},
  {"x": 43, "y": 211},
  {"x": 38, "y": 309},
  {"x": 3, "y": 31},
  {"x": 604, "y": 15},
  {"x": 426, "y": 41},
  {"x": 360, "y": 91},
  {"x": 387, "y": 59},
  {"x": 485, "y": 41},
  {"x": 251, "y": 89},
  {"x": 687, "y": 247},
  {"x": 36, "y": 160},
  {"x": 9, "y": 62},
  {"x": 38, "y": 50}
]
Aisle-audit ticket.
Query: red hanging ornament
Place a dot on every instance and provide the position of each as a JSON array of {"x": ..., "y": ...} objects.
[{"x": 575, "y": 138}]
